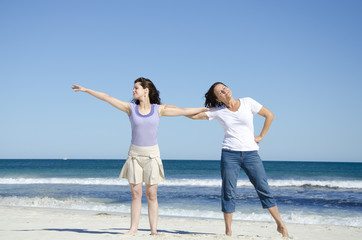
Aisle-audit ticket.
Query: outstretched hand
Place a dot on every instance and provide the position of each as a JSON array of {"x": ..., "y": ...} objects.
[{"x": 78, "y": 88}]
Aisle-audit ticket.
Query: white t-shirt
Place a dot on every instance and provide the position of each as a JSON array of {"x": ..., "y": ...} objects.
[{"x": 238, "y": 126}]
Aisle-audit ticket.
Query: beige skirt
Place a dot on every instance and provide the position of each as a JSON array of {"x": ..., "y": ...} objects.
[{"x": 143, "y": 164}]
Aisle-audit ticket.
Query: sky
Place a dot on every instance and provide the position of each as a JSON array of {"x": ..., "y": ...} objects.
[{"x": 300, "y": 59}]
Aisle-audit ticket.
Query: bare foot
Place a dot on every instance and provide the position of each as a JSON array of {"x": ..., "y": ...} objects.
[
  {"x": 228, "y": 233},
  {"x": 156, "y": 233},
  {"x": 283, "y": 230},
  {"x": 130, "y": 232}
]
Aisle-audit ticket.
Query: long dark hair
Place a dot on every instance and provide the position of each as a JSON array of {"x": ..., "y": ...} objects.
[
  {"x": 210, "y": 97},
  {"x": 154, "y": 94}
]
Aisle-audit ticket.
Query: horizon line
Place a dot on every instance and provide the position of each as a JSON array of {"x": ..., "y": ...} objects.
[{"x": 122, "y": 159}]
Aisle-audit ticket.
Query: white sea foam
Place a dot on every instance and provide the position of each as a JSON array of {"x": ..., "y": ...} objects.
[
  {"x": 69, "y": 203},
  {"x": 350, "y": 184},
  {"x": 87, "y": 204},
  {"x": 80, "y": 181}
]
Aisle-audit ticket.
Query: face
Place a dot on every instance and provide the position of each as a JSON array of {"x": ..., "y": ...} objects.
[
  {"x": 138, "y": 91},
  {"x": 222, "y": 92}
]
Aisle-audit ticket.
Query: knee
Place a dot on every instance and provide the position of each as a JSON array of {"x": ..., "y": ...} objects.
[
  {"x": 151, "y": 196},
  {"x": 228, "y": 191},
  {"x": 137, "y": 194}
]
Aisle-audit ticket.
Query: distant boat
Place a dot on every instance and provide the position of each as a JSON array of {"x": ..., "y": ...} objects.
[{"x": 64, "y": 158}]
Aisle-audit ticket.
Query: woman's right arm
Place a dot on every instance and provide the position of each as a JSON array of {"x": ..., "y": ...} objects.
[
  {"x": 123, "y": 106},
  {"x": 199, "y": 116}
]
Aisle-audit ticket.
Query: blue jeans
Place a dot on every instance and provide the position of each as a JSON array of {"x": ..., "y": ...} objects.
[{"x": 231, "y": 162}]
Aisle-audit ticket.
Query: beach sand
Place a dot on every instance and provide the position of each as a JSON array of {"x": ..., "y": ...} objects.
[{"x": 59, "y": 224}]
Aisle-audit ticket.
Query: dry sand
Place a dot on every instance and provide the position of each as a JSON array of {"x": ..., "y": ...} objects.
[{"x": 59, "y": 224}]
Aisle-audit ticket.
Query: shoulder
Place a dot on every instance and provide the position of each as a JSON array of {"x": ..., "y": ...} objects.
[
  {"x": 160, "y": 107},
  {"x": 156, "y": 108},
  {"x": 132, "y": 105},
  {"x": 215, "y": 111},
  {"x": 252, "y": 104}
]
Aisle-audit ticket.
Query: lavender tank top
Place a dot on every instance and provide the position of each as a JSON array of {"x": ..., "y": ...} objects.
[{"x": 144, "y": 127}]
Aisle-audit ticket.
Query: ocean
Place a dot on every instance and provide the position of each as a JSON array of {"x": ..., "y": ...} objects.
[{"x": 306, "y": 192}]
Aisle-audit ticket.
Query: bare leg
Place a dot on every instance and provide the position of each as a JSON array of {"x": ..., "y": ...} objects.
[
  {"x": 228, "y": 217},
  {"x": 282, "y": 228},
  {"x": 151, "y": 193},
  {"x": 136, "y": 207}
]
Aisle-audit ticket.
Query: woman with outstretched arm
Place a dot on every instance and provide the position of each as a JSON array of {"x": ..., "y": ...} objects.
[
  {"x": 143, "y": 163},
  {"x": 240, "y": 149}
]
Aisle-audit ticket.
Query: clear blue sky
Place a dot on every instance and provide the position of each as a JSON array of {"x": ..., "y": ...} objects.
[{"x": 300, "y": 59}]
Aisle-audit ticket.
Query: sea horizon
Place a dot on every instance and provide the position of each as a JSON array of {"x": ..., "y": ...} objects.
[{"x": 182, "y": 159}]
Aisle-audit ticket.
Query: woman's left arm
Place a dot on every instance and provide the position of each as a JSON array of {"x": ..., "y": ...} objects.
[
  {"x": 173, "y": 111},
  {"x": 269, "y": 116}
]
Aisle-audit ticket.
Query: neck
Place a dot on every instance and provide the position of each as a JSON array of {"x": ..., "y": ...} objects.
[
  {"x": 145, "y": 103},
  {"x": 231, "y": 102}
]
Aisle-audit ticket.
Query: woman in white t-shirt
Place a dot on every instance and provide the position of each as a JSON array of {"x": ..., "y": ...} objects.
[{"x": 240, "y": 148}]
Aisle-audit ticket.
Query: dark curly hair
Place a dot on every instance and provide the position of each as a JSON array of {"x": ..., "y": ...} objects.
[
  {"x": 154, "y": 94},
  {"x": 210, "y": 97}
]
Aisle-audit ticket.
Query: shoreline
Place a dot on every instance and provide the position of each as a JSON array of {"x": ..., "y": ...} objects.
[{"x": 35, "y": 223}]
